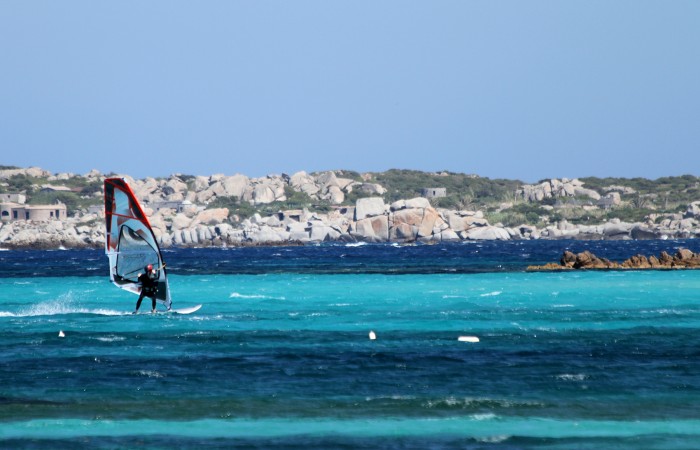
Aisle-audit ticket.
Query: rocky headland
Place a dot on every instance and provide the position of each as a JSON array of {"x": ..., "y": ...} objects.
[{"x": 198, "y": 211}]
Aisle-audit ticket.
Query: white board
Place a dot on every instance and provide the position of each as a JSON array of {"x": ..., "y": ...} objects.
[{"x": 185, "y": 310}]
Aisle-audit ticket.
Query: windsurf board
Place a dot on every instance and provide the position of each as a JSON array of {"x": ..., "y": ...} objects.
[{"x": 189, "y": 310}]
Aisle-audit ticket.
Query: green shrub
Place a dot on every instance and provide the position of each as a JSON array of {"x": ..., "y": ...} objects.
[
  {"x": 404, "y": 184},
  {"x": 72, "y": 200},
  {"x": 352, "y": 197},
  {"x": 22, "y": 183},
  {"x": 235, "y": 206},
  {"x": 628, "y": 214},
  {"x": 351, "y": 174}
]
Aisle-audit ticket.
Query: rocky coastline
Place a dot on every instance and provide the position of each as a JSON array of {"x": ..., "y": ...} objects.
[
  {"x": 181, "y": 213},
  {"x": 395, "y": 223}
]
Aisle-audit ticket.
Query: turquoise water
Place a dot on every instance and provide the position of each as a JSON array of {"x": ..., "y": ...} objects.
[{"x": 284, "y": 360}]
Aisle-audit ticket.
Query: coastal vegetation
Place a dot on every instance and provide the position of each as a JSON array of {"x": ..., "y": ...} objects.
[{"x": 463, "y": 190}]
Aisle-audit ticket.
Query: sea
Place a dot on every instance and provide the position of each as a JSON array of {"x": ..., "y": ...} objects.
[{"x": 350, "y": 346}]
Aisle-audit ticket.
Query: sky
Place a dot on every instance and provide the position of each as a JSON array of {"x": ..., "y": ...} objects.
[{"x": 503, "y": 89}]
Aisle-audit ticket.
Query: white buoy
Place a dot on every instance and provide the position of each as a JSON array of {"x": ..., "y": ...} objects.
[
  {"x": 61, "y": 333},
  {"x": 372, "y": 336},
  {"x": 468, "y": 339}
]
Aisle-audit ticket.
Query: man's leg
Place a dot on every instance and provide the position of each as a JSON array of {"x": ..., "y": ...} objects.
[
  {"x": 138, "y": 303},
  {"x": 153, "y": 304}
]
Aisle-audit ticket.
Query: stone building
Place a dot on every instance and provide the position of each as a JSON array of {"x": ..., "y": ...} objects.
[
  {"x": 433, "y": 192},
  {"x": 10, "y": 212},
  {"x": 13, "y": 198}
]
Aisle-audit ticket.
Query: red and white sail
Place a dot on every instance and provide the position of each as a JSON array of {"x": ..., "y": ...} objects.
[{"x": 130, "y": 243}]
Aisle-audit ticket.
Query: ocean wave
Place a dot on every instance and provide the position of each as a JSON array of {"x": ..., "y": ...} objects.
[
  {"x": 668, "y": 312},
  {"x": 110, "y": 338},
  {"x": 484, "y": 416},
  {"x": 479, "y": 402},
  {"x": 150, "y": 374},
  {"x": 491, "y": 294},
  {"x": 572, "y": 377},
  {"x": 390, "y": 397},
  {"x": 494, "y": 439}
]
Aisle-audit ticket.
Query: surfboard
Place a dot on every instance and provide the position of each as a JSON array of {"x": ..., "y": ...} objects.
[{"x": 189, "y": 310}]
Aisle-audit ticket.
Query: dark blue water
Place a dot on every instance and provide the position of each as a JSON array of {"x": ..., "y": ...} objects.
[
  {"x": 470, "y": 257},
  {"x": 279, "y": 356}
]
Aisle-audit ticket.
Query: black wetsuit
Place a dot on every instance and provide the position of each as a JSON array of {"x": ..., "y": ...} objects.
[{"x": 149, "y": 288}]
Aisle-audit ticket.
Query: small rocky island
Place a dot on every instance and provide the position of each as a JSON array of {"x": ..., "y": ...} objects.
[{"x": 683, "y": 259}]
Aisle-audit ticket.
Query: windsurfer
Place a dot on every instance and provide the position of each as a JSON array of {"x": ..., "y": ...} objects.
[{"x": 149, "y": 287}]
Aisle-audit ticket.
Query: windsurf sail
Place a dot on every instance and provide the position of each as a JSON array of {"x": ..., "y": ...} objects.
[{"x": 130, "y": 243}]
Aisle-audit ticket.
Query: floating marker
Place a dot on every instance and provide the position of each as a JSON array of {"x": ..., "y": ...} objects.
[
  {"x": 468, "y": 339},
  {"x": 372, "y": 336},
  {"x": 61, "y": 333}
]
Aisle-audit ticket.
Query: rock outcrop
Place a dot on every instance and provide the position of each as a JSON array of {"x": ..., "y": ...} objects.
[
  {"x": 683, "y": 259},
  {"x": 555, "y": 188}
]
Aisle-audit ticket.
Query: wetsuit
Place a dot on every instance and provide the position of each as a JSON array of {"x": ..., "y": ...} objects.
[{"x": 149, "y": 288}]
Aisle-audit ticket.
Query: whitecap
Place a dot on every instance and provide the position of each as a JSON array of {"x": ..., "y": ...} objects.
[
  {"x": 494, "y": 439},
  {"x": 390, "y": 397},
  {"x": 572, "y": 377},
  {"x": 355, "y": 244},
  {"x": 483, "y": 416},
  {"x": 104, "y": 312},
  {"x": 239, "y": 295},
  {"x": 110, "y": 338},
  {"x": 151, "y": 373},
  {"x": 491, "y": 294}
]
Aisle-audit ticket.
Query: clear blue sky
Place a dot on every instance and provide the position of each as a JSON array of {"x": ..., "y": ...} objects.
[{"x": 504, "y": 89}]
